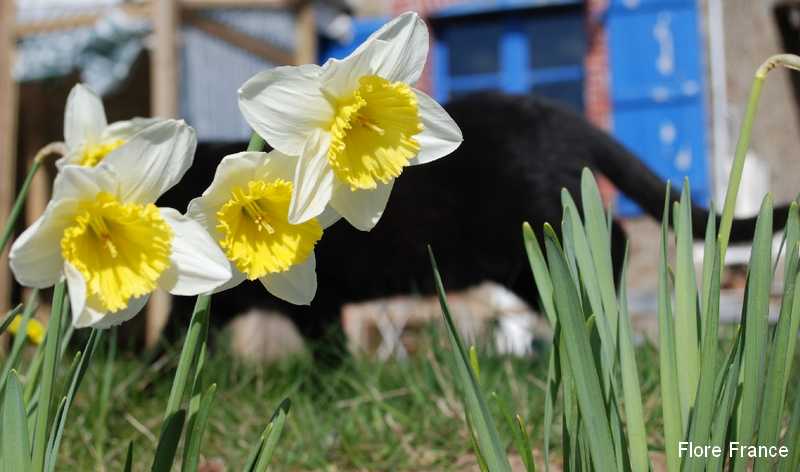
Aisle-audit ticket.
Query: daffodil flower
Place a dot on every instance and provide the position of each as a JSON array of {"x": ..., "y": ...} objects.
[
  {"x": 103, "y": 232},
  {"x": 246, "y": 210},
  {"x": 87, "y": 134},
  {"x": 355, "y": 123}
]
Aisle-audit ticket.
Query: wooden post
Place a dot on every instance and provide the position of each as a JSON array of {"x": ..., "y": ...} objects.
[
  {"x": 164, "y": 92},
  {"x": 8, "y": 136},
  {"x": 305, "y": 35}
]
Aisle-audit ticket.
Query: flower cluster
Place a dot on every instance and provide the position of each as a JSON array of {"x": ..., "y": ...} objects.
[{"x": 341, "y": 132}]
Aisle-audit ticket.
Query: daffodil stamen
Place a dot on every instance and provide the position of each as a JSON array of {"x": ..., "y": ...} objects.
[
  {"x": 373, "y": 133},
  {"x": 92, "y": 154},
  {"x": 134, "y": 242},
  {"x": 254, "y": 231}
]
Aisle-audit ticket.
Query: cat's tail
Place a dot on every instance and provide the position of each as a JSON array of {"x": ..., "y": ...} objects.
[{"x": 632, "y": 177}]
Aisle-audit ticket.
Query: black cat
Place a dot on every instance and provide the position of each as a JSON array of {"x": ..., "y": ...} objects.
[{"x": 518, "y": 154}]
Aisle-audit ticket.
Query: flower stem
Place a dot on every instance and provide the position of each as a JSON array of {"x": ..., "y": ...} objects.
[
  {"x": 256, "y": 143},
  {"x": 786, "y": 60},
  {"x": 16, "y": 210}
]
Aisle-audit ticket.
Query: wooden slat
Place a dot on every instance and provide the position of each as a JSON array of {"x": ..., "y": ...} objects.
[
  {"x": 251, "y": 44},
  {"x": 77, "y": 21},
  {"x": 164, "y": 93},
  {"x": 305, "y": 35},
  {"x": 8, "y": 137}
]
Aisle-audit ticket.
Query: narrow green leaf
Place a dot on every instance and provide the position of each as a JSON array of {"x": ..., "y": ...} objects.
[
  {"x": 272, "y": 435},
  {"x": 687, "y": 340},
  {"x": 527, "y": 453},
  {"x": 781, "y": 354},
  {"x": 10, "y": 317},
  {"x": 129, "y": 458},
  {"x": 168, "y": 442},
  {"x": 540, "y": 272},
  {"x": 599, "y": 236},
  {"x": 15, "y": 447},
  {"x": 756, "y": 322},
  {"x": 670, "y": 394},
  {"x": 197, "y": 426},
  {"x": 709, "y": 248},
  {"x": 578, "y": 350},
  {"x": 591, "y": 283},
  {"x": 728, "y": 394},
  {"x": 195, "y": 337},
  {"x": 792, "y": 440},
  {"x": 59, "y": 311},
  {"x": 550, "y": 396},
  {"x": 634, "y": 412},
  {"x": 20, "y": 337},
  {"x": 702, "y": 416},
  {"x": 473, "y": 362},
  {"x": 518, "y": 433},
  {"x": 74, "y": 383},
  {"x": 474, "y": 402}
]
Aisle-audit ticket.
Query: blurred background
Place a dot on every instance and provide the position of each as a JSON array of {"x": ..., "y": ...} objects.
[{"x": 668, "y": 78}]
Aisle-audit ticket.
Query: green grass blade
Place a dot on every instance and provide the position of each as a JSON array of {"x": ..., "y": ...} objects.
[
  {"x": 519, "y": 435},
  {"x": 197, "y": 426},
  {"x": 551, "y": 393},
  {"x": 709, "y": 248},
  {"x": 168, "y": 442},
  {"x": 792, "y": 440},
  {"x": 578, "y": 350},
  {"x": 10, "y": 317},
  {"x": 272, "y": 435},
  {"x": 195, "y": 338},
  {"x": 129, "y": 458},
  {"x": 74, "y": 383},
  {"x": 51, "y": 357},
  {"x": 792, "y": 265},
  {"x": 687, "y": 340},
  {"x": 600, "y": 241},
  {"x": 20, "y": 337},
  {"x": 728, "y": 394},
  {"x": 702, "y": 416},
  {"x": 15, "y": 447},
  {"x": 632, "y": 393},
  {"x": 590, "y": 280},
  {"x": 756, "y": 321},
  {"x": 670, "y": 394},
  {"x": 781, "y": 353},
  {"x": 540, "y": 272},
  {"x": 474, "y": 401}
]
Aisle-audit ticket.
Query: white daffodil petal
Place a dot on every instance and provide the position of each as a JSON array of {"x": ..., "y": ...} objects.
[
  {"x": 127, "y": 128},
  {"x": 76, "y": 285},
  {"x": 35, "y": 257},
  {"x": 237, "y": 277},
  {"x": 135, "y": 306},
  {"x": 361, "y": 208},
  {"x": 407, "y": 51},
  {"x": 284, "y": 105},
  {"x": 84, "y": 117},
  {"x": 328, "y": 217},
  {"x": 153, "y": 160},
  {"x": 75, "y": 182},
  {"x": 197, "y": 264},
  {"x": 440, "y": 135},
  {"x": 297, "y": 285},
  {"x": 313, "y": 180},
  {"x": 340, "y": 78},
  {"x": 277, "y": 166}
]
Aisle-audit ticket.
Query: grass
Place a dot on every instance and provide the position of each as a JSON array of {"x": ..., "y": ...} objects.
[{"x": 361, "y": 414}]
